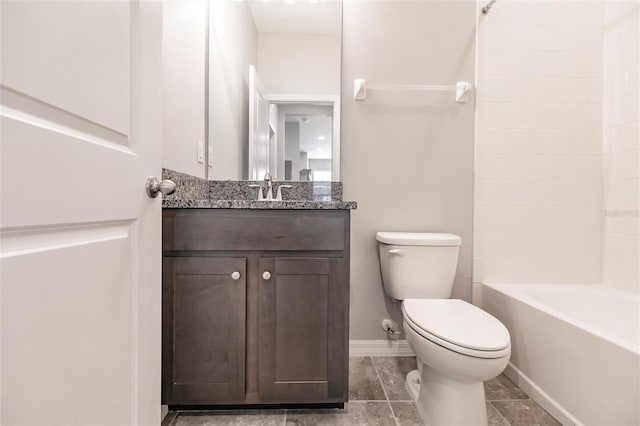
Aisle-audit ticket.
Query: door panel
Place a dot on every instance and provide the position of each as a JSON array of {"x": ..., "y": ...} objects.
[
  {"x": 302, "y": 330},
  {"x": 204, "y": 330},
  {"x": 53, "y": 334},
  {"x": 198, "y": 321},
  {"x": 297, "y": 356},
  {"x": 74, "y": 56},
  {"x": 80, "y": 253}
]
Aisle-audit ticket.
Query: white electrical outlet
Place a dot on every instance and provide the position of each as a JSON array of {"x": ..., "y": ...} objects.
[
  {"x": 200, "y": 145},
  {"x": 210, "y": 158}
]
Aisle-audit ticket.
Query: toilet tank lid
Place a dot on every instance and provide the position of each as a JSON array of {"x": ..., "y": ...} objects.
[{"x": 419, "y": 238}]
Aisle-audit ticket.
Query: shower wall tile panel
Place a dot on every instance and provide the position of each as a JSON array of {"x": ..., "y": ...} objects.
[
  {"x": 621, "y": 148},
  {"x": 538, "y": 165}
]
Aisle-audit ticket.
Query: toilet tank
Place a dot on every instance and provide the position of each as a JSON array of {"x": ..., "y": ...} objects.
[{"x": 418, "y": 265}]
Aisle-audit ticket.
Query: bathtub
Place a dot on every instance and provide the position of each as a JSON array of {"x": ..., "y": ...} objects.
[{"x": 575, "y": 348}]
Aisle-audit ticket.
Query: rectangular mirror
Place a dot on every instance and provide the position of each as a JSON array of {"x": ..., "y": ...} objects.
[{"x": 274, "y": 89}]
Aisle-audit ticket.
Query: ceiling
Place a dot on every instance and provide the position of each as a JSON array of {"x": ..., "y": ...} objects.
[{"x": 297, "y": 16}]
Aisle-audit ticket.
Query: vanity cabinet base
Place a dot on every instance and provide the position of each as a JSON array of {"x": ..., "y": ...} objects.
[{"x": 254, "y": 327}]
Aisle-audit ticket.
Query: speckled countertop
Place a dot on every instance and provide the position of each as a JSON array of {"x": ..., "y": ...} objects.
[
  {"x": 260, "y": 205},
  {"x": 197, "y": 193}
]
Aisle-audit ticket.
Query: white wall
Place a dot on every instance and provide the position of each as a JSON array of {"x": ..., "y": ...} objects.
[
  {"x": 232, "y": 48},
  {"x": 292, "y": 148},
  {"x": 621, "y": 148},
  {"x": 538, "y": 184},
  {"x": 183, "y": 73},
  {"x": 408, "y": 161},
  {"x": 307, "y": 64}
]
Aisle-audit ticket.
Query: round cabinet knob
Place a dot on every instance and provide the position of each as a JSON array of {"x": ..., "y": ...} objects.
[
  {"x": 235, "y": 276},
  {"x": 266, "y": 275}
]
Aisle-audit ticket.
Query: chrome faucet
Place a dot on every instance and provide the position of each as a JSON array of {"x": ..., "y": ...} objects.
[
  {"x": 269, "y": 185},
  {"x": 269, "y": 182}
]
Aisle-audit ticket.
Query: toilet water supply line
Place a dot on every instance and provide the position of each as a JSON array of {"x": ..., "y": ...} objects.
[
  {"x": 388, "y": 328},
  {"x": 389, "y": 325}
]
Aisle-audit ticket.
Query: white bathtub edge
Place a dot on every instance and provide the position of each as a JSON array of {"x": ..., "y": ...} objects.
[{"x": 540, "y": 396}]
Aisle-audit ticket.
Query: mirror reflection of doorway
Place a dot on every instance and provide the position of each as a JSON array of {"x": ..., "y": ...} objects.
[
  {"x": 303, "y": 141},
  {"x": 292, "y": 139}
]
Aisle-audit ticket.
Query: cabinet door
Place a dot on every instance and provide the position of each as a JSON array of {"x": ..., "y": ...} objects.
[
  {"x": 203, "y": 330},
  {"x": 303, "y": 329}
]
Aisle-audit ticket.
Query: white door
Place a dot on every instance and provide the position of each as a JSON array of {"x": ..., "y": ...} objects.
[
  {"x": 80, "y": 256},
  {"x": 258, "y": 128}
]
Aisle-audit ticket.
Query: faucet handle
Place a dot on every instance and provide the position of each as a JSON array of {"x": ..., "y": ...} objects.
[
  {"x": 279, "y": 196},
  {"x": 260, "y": 195}
]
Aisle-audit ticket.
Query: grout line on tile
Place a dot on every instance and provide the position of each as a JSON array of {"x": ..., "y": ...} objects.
[
  {"x": 172, "y": 422},
  {"x": 375, "y": 367},
  {"x": 499, "y": 413},
  {"x": 508, "y": 400}
]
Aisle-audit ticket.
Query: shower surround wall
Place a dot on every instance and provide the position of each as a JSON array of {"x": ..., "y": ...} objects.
[
  {"x": 621, "y": 147},
  {"x": 538, "y": 178}
]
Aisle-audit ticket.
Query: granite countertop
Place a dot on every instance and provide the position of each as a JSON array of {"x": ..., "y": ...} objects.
[
  {"x": 259, "y": 205},
  {"x": 197, "y": 193}
]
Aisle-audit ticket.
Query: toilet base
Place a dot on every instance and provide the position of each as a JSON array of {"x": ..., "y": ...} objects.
[
  {"x": 444, "y": 401},
  {"x": 413, "y": 384}
]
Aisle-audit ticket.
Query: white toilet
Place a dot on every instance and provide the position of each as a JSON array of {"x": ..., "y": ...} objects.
[{"x": 458, "y": 346}]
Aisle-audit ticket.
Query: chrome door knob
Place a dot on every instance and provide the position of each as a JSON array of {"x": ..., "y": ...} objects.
[
  {"x": 266, "y": 275},
  {"x": 154, "y": 187},
  {"x": 235, "y": 276}
]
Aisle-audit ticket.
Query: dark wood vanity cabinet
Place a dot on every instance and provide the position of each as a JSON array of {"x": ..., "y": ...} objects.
[
  {"x": 301, "y": 329},
  {"x": 255, "y": 306},
  {"x": 204, "y": 325}
]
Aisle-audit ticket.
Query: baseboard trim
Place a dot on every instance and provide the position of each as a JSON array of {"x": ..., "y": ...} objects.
[
  {"x": 379, "y": 348},
  {"x": 540, "y": 396}
]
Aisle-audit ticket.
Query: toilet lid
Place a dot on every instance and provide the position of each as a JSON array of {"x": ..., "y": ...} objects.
[{"x": 458, "y": 322}]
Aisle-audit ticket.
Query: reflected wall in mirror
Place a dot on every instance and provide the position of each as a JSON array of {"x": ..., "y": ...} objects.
[{"x": 274, "y": 89}]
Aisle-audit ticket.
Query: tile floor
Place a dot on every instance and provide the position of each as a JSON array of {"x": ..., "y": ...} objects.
[{"x": 377, "y": 397}]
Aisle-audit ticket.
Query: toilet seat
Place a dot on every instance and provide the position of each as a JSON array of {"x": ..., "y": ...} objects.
[
  {"x": 458, "y": 326},
  {"x": 434, "y": 239}
]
